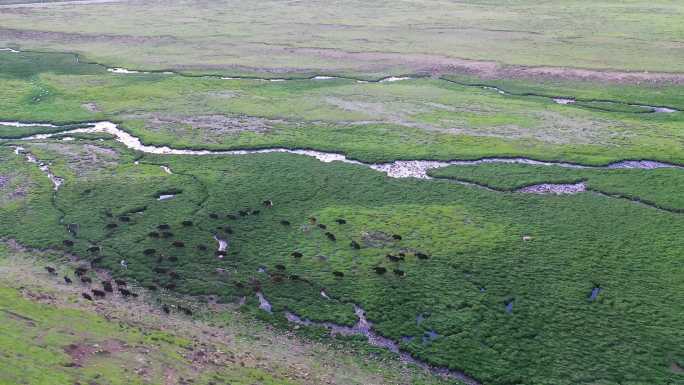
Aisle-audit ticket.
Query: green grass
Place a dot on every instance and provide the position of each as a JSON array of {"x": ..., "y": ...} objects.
[
  {"x": 358, "y": 37},
  {"x": 473, "y": 238},
  {"x": 418, "y": 119},
  {"x": 659, "y": 187}
]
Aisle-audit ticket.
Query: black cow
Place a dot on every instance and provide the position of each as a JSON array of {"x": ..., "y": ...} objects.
[
  {"x": 112, "y": 225},
  {"x": 297, "y": 254},
  {"x": 120, "y": 282},
  {"x": 280, "y": 267},
  {"x": 98, "y": 293},
  {"x": 173, "y": 275},
  {"x": 51, "y": 270},
  {"x": 285, "y": 223},
  {"x": 294, "y": 277},
  {"x": 163, "y": 227},
  {"x": 322, "y": 226},
  {"x": 79, "y": 271},
  {"x": 202, "y": 247},
  {"x": 87, "y": 296},
  {"x": 338, "y": 274},
  {"x": 67, "y": 280},
  {"x": 167, "y": 234},
  {"x": 185, "y": 310},
  {"x": 213, "y": 216},
  {"x": 396, "y": 237},
  {"x": 421, "y": 256},
  {"x": 267, "y": 203},
  {"x": 149, "y": 251},
  {"x": 153, "y": 234},
  {"x": 256, "y": 212},
  {"x": 107, "y": 286},
  {"x": 124, "y": 218},
  {"x": 312, "y": 220},
  {"x": 170, "y": 286},
  {"x": 340, "y": 221},
  {"x": 187, "y": 223},
  {"x": 96, "y": 261},
  {"x": 68, "y": 242},
  {"x": 94, "y": 249},
  {"x": 330, "y": 236},
  {"x": 166, "y": 309},
  {"x": 243, "y": 213},
  {"x": 355, "y": 245},
  {"x": 161, "y": 270},
  {"x": 178, "y": 244},
  {"x": 400, "y": 273},
  {"x": 394, "y": 258},
  {"x": 232, "y": 217},
  {"x": 380, "y": 270},
  {"x": 124, "y": 292},
  {"x": 86, "y": 280}
]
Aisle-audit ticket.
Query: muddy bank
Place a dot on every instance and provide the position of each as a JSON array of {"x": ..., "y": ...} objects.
[{"x": 554, "y": 188}]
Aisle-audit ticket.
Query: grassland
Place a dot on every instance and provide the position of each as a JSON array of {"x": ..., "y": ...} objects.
[
  {"x": 411, "y": 119},
  {"x": 656, "y": 187},
  {"x": 357, "y": 37},
  {"x": 478, "y": 260},
  {"x": 51, "y": 335}
]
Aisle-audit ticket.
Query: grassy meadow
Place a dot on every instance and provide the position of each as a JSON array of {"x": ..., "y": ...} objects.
[{"x": 484, "y": 250}]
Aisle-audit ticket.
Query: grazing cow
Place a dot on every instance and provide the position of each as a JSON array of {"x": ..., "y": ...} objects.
[
  {"x": 243, "y": 213},
  {"x": 267, "y": 203},
  {"x": 94, "y": 249},
  {"x": 276, "y": 278},
  {"x": 163, "y": 227},
  {"x": 202, "y": 247},
  {"x": 340, "y": 221},
  {"x": 120, "y": 282},
  {"x": 124, "y": 218},
  {"x": 280, "y": 267},
  {"x": 239, "y": 285},
  {"x": 166, "y": 309},
  {"x": 178, "y": 244},
  {"x": 285, "y": 223},
  {"x": 98, "y": 293},
  {"x": 380, "y": 270},
  {"x": 167, "y": 234},
  {"x": 330, "y": 236},
  {"x": 421, "y": 256},
  {"x": 185, "y": 310},
  {"x": 79, "y": 271},
  {"x": 153, "y": 234},
  {"x": 51, "y": 270},
  {"x": 170, "y": 286},
  {"x": 396, "y": 237},
  {"x": 124, "y": 292},
  {"x": 87, "y": 296},
  {"x": 67, "y": 280},
  {"x": 73, "y": 228},
  {"x": 96, "y": 261},
  {"x": 297, "y": 254},
  {"x": 312, "y": 220},
  {"x": 394, "y": 258},
  {"x": 187, "y": 223},
  {"x": 400, "y": 273},
  {"x": 112, "y": 225},
  {"x": 221, "y": 254},
  {"x": 149, "y": 251},
  {"x": 213, "y": 216},
  {"x": 68, "y": 242},
  {"x": 294, "y": 277},
  {"x": 107, "y": 286},
  {"x": 322, "y": 226},
  {"x": 256, "y": 212},
  {"x": 232, "y": 217},
  {"x": 355, "y": 245},
  {"x": 173, "y": 275},
  {"x": 402, "y": 254},
  {"x": 338, "y": 274},
  {"x": 160, "y": 270},
  {"x": 86, "y": 280}
]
